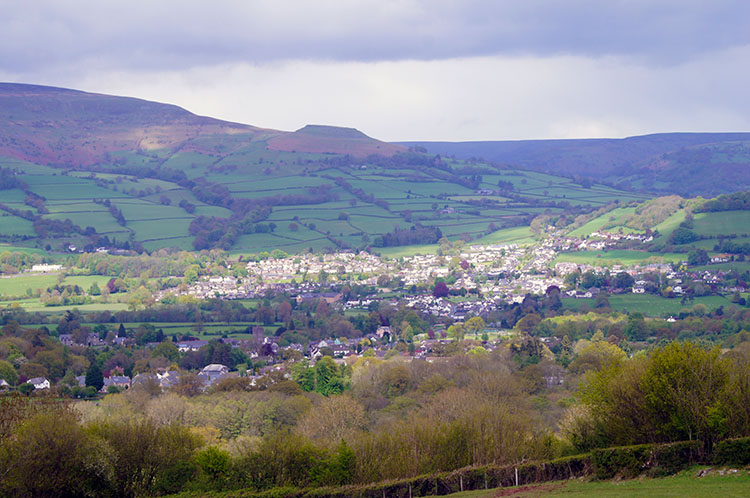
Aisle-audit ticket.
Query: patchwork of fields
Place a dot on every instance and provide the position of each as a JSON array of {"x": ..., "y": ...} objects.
[{"x": 378, "y": 199}]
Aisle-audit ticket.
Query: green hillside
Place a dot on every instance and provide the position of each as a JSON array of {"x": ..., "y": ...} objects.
[
  {"x": 314, "y": 202},
  {"x": 153, "y": 176},
  {"x": 688, "y": 164}
]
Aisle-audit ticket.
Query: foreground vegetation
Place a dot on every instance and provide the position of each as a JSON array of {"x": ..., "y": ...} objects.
[{"x": 471, "y": 411}]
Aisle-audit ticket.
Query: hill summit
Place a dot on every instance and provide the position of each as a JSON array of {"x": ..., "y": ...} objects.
[{"x": 63, "y": 127}]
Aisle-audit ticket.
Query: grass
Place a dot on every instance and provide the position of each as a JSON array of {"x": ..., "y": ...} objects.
[
  {"x": 683, "y": 485},
  {"x": 14, "y": 225},
  {"x": 611, "y": 220},
  {"x": 619, "y": 256},
  {"x": 740, "y": 266},
  {"x": 248, "y": 169},
  {"x": 725, "y": 223},
  {"x": 27, "y": 250},
  {"x": 650, "y": 305},
  {"x": 33, "y": 306},
  {"x": 17, "y": 285},
  {"x": 517, "y": 235},
  {"x": 405, "y": 251}
]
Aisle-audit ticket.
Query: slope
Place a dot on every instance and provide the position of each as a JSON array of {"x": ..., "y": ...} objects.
[{"x": 650, "y": 162}]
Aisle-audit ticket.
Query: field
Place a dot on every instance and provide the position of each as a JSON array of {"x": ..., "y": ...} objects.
[
  {"x": 376, "y": 199},
  {"x": 518, "y": 235},
  {"x": 650, "y": 305},
  {"x": 616, "y": 257},
  {"x": 34, "y": 306},
  {"x": 724, "y": 223},
  {"x": 209, "y": 330},
  {"x": 28, "y": 250},
  {"x": 405, "y": 251},
  {"x": 684, "y": 485},
  {"x": 611, "y": 221}
]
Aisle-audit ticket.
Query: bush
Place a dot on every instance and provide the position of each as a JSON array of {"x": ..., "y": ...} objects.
[
  {"x": 733, "y": 452},
  {"x": 632, "y": 461}
]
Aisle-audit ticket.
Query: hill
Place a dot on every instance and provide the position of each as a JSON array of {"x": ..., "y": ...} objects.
[
  {"x": 58, "y": 126},
  {"x": 682, "y": 163},
  {"x": 85, "y": 169}
]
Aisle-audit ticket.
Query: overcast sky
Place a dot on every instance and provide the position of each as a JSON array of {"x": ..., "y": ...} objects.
[{"x": 403, "y": 69}]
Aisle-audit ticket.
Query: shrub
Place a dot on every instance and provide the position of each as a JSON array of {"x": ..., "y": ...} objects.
[
  {"x": 733, "y": 452},
  {"x": 632, "y": 461}
]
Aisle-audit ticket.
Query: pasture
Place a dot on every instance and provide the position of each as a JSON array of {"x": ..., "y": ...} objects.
[
  {"x": 650, "y": 305},
  {"x": 393, "y": 196},
  {"x": 14, "y": 225},
  {"x": 618, "y": 257},
  {"x": 723, "y": 223}
]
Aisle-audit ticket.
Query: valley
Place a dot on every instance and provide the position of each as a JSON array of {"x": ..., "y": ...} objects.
[{"x": 280, "y": 309}]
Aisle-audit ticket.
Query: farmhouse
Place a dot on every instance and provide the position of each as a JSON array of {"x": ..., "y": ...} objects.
[
  {"x": 39, "y": 383},
  {"x": 46, "y": 268}
]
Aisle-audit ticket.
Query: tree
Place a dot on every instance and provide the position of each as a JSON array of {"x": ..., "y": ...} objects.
[
  {"x": 596, "y": 356},
  {"x": 168, "y": 350},
  {"x": 623, "y": 280},
  {"x": 94, "y": 290},
  {"x": 697, "y": 257},
  {"x": 440, "y": 290},
  {"x": 678, "y": 393},
  {"x": 636, "y": 329},
  {"x": 336, "y": 470},
  {"x": 51, "y": 455},
  {"x": 334, "y": 419},
  {"x": 142, "y": 451},
  {"x": 214, "y": 465},
  {"x": 457, "y": 331},
  {"x": 475, "y": 325},
  {"x": 94, "y": 376},
  {"x": 327, "y": 378},
  {"x": 683, "y": 388},
  {"x": 8, "y": 372}
]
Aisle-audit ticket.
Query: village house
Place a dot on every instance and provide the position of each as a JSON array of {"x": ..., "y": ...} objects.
[
  {"x": 39, "y": 383},
  {"x": 119, "y": 381},
  {"x": 213, "y": 373}
]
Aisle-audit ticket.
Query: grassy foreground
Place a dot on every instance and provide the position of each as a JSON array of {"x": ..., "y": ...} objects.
[{"x": 685, "y": 484}]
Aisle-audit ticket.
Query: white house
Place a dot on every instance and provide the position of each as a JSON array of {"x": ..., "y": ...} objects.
[
  {"x": 39, "y": 383},
  {"x": 46, "y": 268}
]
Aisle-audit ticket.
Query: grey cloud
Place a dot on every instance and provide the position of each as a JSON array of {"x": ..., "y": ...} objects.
[{"x": 177, "y": 34}]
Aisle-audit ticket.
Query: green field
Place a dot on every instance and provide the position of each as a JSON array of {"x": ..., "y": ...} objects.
[
  {"x": 517, "y": 235},
  {"x": 610, "y": 221},
  {"x": 724, "y": 223},
  {"x": 405, "y": 251},
  {"x": 19, "y": 284},
  {"x": 666, "y": 227},
  {"x": 33, "y": 306},
  {"x": 684, "y": 484},
  {"x": 27, "y": 250},
  {"x": 399, "y": 195},
  {"x": 14, "y": 225},
  {"x": 619, "y": 256},
  {"x": 740, "y": 266},
  {"x": 650, "y": 305}
]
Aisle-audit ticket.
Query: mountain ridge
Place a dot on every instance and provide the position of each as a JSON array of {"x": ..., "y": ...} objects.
[
  {"x": 60, "y": 126},
  {"x": 642, "y": 161}
]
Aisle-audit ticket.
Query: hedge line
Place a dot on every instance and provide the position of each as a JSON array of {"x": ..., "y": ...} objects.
[
  {"x": 625, "y": 461},
  {"x": 469, "y": 478},
  {"x": 733, "y": 452},
  {"x": 649, "y": 459}
]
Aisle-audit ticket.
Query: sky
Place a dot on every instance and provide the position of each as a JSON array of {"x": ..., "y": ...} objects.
[{"x": 453, "y": 70}]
